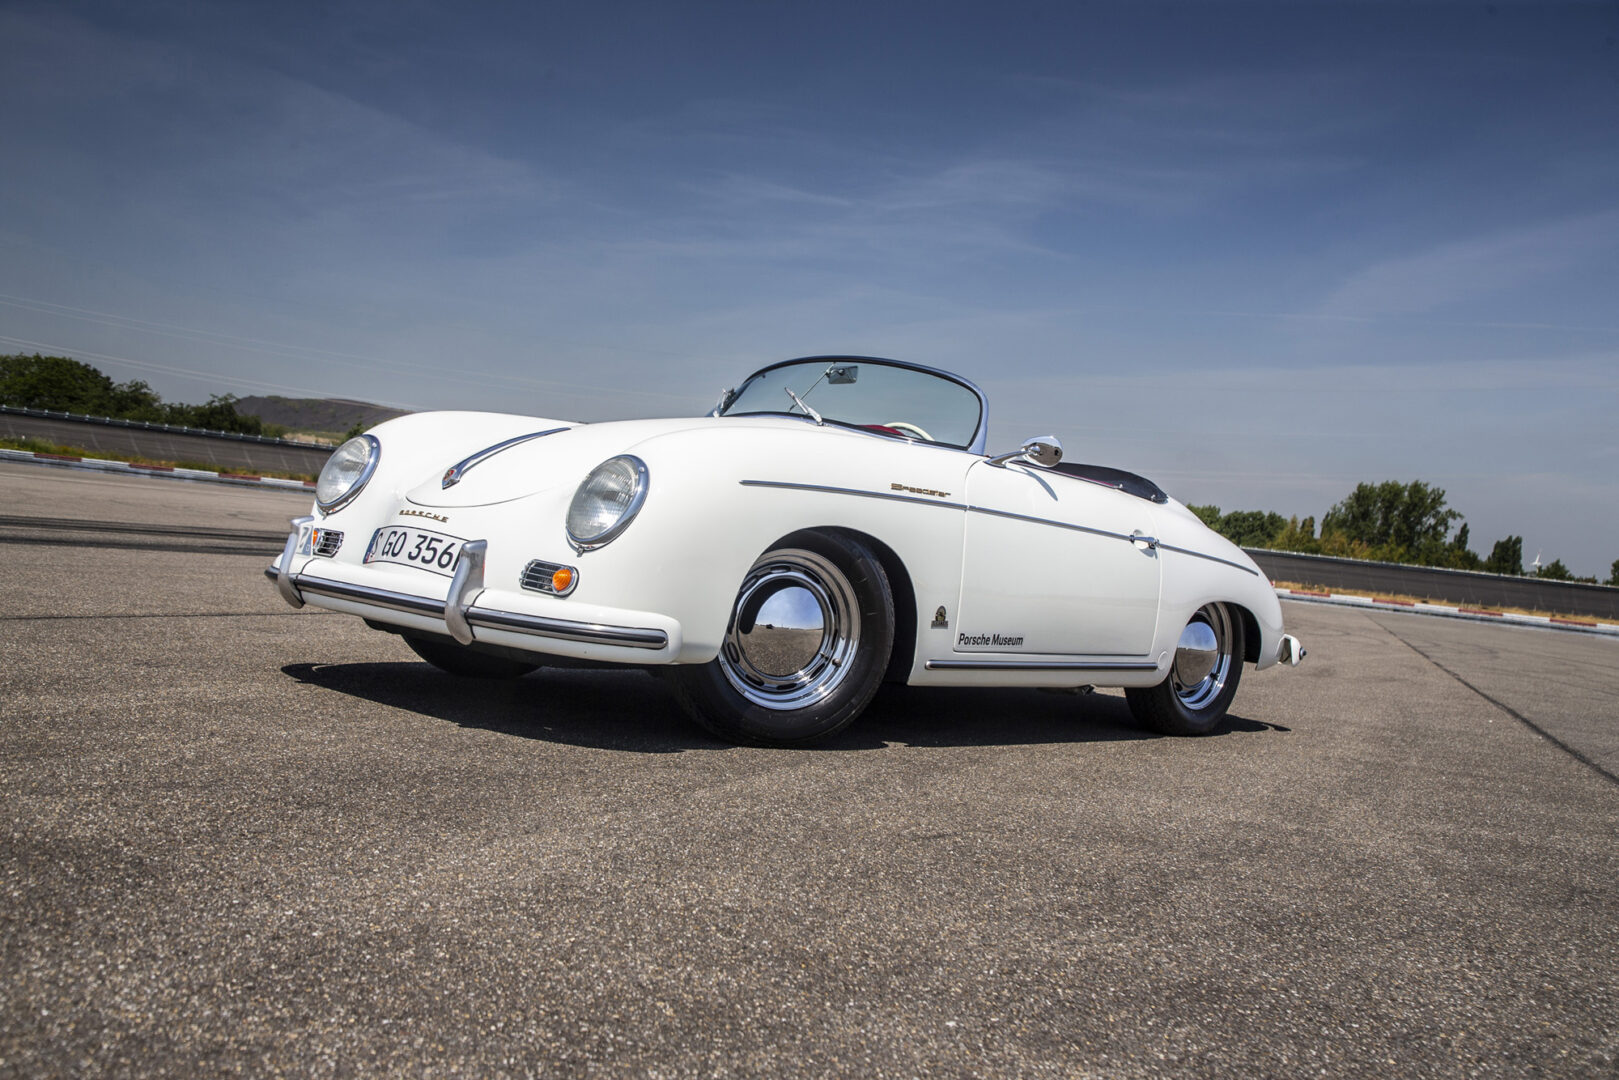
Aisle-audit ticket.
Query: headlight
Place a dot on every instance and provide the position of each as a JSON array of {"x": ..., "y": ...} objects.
[
  {"x": 346, "y": 472},
  {"x": 607, "y": 501}
]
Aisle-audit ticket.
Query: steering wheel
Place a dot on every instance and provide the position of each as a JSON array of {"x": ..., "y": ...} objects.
[{"x": 901, "y": 425}]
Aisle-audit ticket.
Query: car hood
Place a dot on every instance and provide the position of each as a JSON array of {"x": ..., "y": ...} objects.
[{"x": 560, "y": 459}]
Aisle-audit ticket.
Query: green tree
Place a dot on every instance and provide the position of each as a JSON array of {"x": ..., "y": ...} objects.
[
  {"x": 1506, "y": 557},
  {"x": 1556, "y": 571},
  {"x": 1404, "y": 520},
  {"x": 1613, "y": 575},
  {"x": 218, "y": 415},
  {"x": 1251, "y": 528},
  {"x": 66, "y": 385},
  {"x": 1209, "y": 515},
  {"x": 1297, "y": 536},
  {"x": 1458, "y": 556}
]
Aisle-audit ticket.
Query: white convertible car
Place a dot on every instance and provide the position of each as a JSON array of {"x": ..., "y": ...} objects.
[{"x": 832, "y": 524}]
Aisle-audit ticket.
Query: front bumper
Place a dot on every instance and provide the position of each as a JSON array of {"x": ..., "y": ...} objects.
[{"x": 464, "y": 609}]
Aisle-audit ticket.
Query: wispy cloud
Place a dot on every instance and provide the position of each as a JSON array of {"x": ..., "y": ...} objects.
[{"x": 1473, "y": 268}]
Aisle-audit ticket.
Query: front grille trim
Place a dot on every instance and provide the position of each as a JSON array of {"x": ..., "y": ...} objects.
[{"x": 536, "y": 577}]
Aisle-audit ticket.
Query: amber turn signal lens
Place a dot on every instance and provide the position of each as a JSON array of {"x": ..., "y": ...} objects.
[{"x": 562, "y": 579}]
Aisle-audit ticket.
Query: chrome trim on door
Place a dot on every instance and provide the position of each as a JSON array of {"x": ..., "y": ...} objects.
[
  {"x": 1152, "y": 542},
  {"x": 1054, "y": 524},
  {"x": 851, "y": 491}
]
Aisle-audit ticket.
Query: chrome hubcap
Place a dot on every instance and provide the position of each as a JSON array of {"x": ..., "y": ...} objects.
[
  {"x": 1196, "y": 654},
  {"x": 1203, "y": 657},
  {"x": 793, "y": 631}
]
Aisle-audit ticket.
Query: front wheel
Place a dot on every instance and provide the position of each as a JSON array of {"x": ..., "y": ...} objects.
[
  {"x": 805, "y": 649},
  {"x": 1202, "y": 680}
]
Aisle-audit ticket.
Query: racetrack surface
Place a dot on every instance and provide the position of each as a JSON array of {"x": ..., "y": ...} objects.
[{"x": 241, "y": 839}]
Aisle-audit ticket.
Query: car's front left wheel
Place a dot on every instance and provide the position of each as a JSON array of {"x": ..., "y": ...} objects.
[
  {"x": 806, "y": 646},
  {"x": 1202, "y": 679}
]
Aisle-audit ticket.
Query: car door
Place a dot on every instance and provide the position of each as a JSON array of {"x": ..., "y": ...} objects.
[{"x": 1049, "y": 566}]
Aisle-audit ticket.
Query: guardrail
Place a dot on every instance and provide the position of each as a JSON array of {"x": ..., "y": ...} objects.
[
  {"x": 165, "y": 442},
  {"x": 1456, "y": 586},
  {"x": 173, "y": 429}
]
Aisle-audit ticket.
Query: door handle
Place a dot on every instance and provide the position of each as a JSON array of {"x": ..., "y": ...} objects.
[{"x": 1143, "y": 541}]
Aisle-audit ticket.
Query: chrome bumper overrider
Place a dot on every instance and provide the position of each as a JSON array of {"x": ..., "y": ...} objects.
[{"x": 460, "y": 614}]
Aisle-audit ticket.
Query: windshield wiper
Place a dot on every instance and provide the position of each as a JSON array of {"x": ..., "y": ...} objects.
[{"x": 813, "y": 415}]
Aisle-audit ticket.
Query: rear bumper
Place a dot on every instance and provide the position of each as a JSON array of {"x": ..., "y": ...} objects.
[{"x": 465, "y": 610}]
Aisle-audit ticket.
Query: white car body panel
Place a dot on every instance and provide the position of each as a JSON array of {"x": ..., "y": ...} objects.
[{"x": 1046, "y": 561}]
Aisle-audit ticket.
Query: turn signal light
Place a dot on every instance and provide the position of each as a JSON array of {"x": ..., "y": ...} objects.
[{"x": 549, "y": 577}]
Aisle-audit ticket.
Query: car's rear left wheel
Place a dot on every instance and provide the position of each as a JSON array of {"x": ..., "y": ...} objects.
[{"x": 805, "y": 648}]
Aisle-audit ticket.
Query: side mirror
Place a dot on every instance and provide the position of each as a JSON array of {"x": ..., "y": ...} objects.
[{"x": 1042, "y": 450}]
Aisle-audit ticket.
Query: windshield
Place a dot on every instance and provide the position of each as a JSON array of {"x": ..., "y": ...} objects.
[{"x": 884, "y": 397}]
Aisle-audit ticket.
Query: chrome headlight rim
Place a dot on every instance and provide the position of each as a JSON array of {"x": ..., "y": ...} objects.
[
  {"x": 637, "y": 498},
  {"x": 373, "y": 455}
]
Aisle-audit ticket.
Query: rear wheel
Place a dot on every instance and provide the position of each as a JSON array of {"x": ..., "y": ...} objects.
[
  {"x": 457, "y": 659},
  {"x": 805, "y": 649},
  {"x": 1202, "y": 680}
]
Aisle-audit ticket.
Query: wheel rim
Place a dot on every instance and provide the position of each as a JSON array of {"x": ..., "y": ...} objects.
[
  {"x": 793, "y": 631},
  {"x": 1203, "y": 657}
]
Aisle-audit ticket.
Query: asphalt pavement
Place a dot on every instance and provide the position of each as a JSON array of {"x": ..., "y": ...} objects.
[{"x": 244, "y": 840}]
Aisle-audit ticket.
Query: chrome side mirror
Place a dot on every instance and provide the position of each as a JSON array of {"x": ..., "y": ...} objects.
[{"x": 1042, "y": 450}]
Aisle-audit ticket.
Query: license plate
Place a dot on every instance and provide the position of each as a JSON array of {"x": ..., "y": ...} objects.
[{"x": 416, "y": 547}]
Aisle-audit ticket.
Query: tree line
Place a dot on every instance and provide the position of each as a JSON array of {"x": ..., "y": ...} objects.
[
  {"x": 1388, "y": 522},
  {"x": 62, "y": 384}
]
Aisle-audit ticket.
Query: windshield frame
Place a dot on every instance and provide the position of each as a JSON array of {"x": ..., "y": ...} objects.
[{"x": 974, "y": 446}]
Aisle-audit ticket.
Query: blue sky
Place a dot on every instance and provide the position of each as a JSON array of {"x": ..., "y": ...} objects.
[{"x": 1258, "y": 252}]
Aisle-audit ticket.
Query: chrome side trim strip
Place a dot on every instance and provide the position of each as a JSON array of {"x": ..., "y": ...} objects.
[
  {"x": 1151, "y": 542},
  {"x": 1035, "y": 665},
  {"x": 1211, "y": 558},
  {"x": 598, "y": 633},
  {"x": 535, "y": 625},
  {"x": 453, "y": 476},
  {"x": 1054, "y": 524},
  {"x": 851, "y": 491}
]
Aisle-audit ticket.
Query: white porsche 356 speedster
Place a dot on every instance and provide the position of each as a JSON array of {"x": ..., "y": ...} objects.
[{"x": 832, "y": 524}]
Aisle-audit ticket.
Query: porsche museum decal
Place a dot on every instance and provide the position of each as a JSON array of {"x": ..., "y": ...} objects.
[
  {"x": 423, "y": 513},
  {"x": 1005, "y": 641}
]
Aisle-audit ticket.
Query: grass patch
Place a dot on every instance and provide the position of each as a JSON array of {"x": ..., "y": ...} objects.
[{"x": 41, "y": 446}]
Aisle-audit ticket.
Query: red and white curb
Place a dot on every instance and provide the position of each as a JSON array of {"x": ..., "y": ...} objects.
[
  {"x": 104, "y": 465},
  {"x": 1451, "y": 611}
]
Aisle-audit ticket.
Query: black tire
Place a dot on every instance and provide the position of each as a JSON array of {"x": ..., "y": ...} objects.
[
  {"x": 1181, "y": 704},
  {"x": 796, "y": 684},
  {"x": 457, "y": 659}
]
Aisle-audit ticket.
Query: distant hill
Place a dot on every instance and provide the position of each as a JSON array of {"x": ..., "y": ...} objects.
[{"x": 315, "y": 416}]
